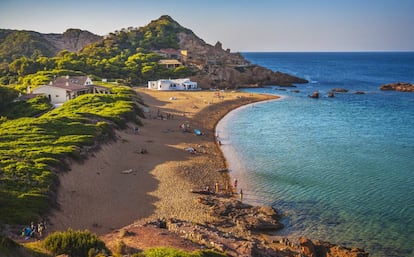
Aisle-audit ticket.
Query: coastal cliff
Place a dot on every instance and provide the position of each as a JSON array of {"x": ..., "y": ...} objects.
[{"x": 222, "y": 68}]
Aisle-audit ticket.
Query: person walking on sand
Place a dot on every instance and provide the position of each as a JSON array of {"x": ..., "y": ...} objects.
[
  {"x": 241, "y": 194},
  {"x": 217, "y": 187},
  {"x": 235, "y": 184}
]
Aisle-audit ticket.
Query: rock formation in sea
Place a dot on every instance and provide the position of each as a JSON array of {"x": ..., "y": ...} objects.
[{"x": 399, "y": 86}]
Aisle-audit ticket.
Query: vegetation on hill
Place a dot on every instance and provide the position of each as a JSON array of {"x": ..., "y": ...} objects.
[
  {"x": 17, "y": 43},
  {"x": 7, "y": 95},
  {"x": 127, "y": 54},
  {"x": 33, "y": 150},
  {"x": 29, "y": 108}
]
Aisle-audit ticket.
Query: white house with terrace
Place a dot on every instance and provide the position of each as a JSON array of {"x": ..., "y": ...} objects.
[
  {"x": 173, "y": 84},
  {"x": 63, "y": 89}
]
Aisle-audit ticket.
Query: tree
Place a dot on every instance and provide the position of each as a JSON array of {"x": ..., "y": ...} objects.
[{"x": 7, "y": 95}]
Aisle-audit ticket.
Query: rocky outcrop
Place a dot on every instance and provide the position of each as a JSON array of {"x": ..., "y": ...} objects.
[
  {"x": 241, "y": 218},
  {"x": 72, "y": 40},
  {"x": 399, "y": 86},
  {"x": 221, "y": 68},
  {"x": 325, "y": 249},
  {"x": 237, "y": 229},
  {"x": 339, "y": 90}
]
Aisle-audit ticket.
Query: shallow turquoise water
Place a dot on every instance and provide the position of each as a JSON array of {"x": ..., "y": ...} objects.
[{"x": 341, "y": 169}]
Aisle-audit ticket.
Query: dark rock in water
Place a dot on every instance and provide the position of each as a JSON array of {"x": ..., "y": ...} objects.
[
  {"x": 359, "y": 92},
  {"x": 331, "y": 94},
  {"x": 339, "y": 90},
  {"x": 314, "y": 95},
  {"x": 295, "y": 91},
  {"x": 399, "y": 86}
]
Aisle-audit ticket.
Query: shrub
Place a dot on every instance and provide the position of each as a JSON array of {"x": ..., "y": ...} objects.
[{"x": 74, "y": 243}]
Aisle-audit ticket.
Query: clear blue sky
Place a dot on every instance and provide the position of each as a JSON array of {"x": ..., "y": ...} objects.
[{"x": 241, "y": 25}]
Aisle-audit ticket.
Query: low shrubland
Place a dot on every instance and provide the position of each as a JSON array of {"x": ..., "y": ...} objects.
[{"x": 75, "y": 244}]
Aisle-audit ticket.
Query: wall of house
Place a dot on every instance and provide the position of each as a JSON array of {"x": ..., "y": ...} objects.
[{"x": 56, "y": 95}]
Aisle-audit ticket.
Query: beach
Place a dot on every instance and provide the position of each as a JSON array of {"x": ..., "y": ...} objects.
[{"x": 149, "y": 174}]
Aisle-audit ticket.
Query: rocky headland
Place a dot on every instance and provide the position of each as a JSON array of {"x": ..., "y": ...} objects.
[
  {"x": 223, "y": 69},
  {"x": 399, "y": 86}
]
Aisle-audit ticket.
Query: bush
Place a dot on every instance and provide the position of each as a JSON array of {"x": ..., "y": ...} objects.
[{"x": 74, "y": 243}]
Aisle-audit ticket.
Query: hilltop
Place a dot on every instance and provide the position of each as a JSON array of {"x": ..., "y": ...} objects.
[
  {"x": 18, "y": 43},
  {"x": 131, "y": 55}
]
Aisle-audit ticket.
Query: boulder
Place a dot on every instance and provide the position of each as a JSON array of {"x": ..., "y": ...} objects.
[
  {"x": 339, "y": 90},
  {"x": 314, "y": 95}
]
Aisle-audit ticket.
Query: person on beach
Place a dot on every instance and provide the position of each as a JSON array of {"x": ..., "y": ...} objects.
[
  {"x": 217, "y": 187},
  {"x": 235, "y": 184},
  {"x": 241, "y": 194}
]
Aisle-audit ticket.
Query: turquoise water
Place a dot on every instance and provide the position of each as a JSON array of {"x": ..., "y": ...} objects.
[{"x": 340, "y": 169}]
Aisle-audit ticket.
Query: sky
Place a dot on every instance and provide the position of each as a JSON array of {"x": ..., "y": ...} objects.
[{"x": 242, "y": 26}]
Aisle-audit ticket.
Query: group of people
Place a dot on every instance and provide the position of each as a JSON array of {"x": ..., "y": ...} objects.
[
  {"x": 34, "y": 230},
  {"x": 217, "y": 189}
]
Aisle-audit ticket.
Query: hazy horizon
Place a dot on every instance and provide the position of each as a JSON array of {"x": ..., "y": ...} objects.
[{"x": 242, "y": 26}]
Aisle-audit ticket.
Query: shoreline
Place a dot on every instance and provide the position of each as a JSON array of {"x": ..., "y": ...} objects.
[
  {"x": 146, "y": 177},
  {"x": 161, "y": 180},
  {"x": 233, "y": 159}
]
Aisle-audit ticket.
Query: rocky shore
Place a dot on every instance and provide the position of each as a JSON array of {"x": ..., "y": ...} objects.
[{"x": 236, "y": 229}]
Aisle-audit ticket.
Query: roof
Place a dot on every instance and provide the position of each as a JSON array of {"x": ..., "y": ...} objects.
[
  {"x": 181, "y": 81},
  {"x": 75, "y": 83},
  {"x": 169, "y": 62},
  {"x": 79, "y": 80}
]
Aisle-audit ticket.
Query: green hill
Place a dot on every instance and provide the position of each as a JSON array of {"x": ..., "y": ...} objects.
[
  {"x": 17, "y": 43},
  {"x": 130, "y": 55}
]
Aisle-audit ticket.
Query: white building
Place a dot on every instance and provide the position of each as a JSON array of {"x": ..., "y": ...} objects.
[
  {"x": 173, "y": 84},
  {"x": 63, "y": 89}
]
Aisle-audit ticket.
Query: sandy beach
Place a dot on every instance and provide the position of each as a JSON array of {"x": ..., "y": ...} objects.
[{"x": 147, "y": 175}]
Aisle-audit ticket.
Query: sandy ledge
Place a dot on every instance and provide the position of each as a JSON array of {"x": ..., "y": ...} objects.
[{"x": 118, "y": 185}]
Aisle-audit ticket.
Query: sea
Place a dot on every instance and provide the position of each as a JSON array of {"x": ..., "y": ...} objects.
[{"x": 338, "y": 169}]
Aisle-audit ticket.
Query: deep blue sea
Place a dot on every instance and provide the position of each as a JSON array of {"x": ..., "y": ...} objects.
[{"x": 339, "y": 169}]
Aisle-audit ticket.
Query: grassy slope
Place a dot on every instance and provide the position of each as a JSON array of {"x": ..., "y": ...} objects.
[{"x": 33, "y": 150}]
